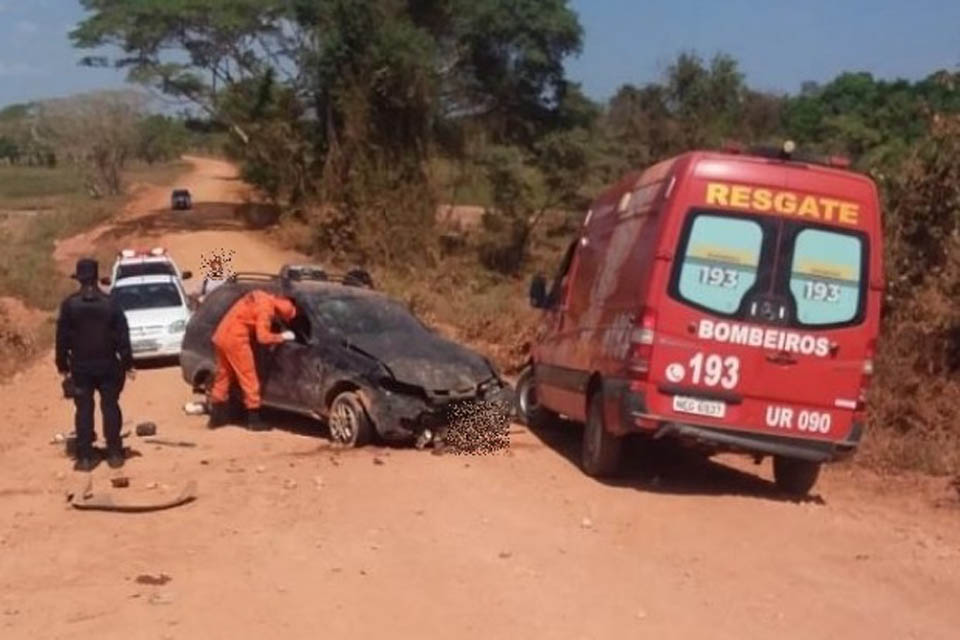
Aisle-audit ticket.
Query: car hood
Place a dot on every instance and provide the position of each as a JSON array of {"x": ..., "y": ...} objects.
[
  {"x": 430, "y": 362},
  {"x": 156, "y": 317}
]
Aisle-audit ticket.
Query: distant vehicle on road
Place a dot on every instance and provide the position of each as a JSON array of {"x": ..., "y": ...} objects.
[
  {"x": 157, "y": 312},
  {"x": 730, "y": 300},
  {"x": 361, "y": 361},
  {"x": 180, "y": 200}
]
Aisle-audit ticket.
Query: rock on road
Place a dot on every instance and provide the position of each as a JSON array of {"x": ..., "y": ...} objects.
[{"x": 292, "y": 539}]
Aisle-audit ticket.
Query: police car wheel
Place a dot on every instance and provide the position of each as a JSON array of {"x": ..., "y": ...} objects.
[
  {"x": 601, "y": 450},
  {"x": 348, "y": 421},
  {"x": 795, "y": 477}
]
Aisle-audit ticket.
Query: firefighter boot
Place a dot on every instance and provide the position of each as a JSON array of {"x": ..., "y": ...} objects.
[
  {"x": 218, "y": 415},
  {"x": 255, "y": 421}
]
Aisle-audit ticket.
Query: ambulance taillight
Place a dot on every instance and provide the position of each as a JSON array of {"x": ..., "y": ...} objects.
[
  {"x": 866, "y": 375},
  {"x": 641, "y": 344}
]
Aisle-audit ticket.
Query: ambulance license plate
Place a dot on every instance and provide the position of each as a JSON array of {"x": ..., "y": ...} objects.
[{"x": 697, "y": 407}]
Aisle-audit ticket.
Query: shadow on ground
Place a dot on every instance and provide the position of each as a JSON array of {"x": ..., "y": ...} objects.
[{"x": 667, "y": 468}]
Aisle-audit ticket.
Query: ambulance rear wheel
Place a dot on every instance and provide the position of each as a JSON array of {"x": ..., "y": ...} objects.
[
  {"x": 795, "y": 477},
  {"x": 601, "y": 450}
]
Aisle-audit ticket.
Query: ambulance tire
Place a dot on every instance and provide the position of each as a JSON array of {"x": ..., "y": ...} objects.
[
  {"x": 528, "y": 411},
  {"x": 795, "y": 477},
  {"x": 600, "y": 454}
]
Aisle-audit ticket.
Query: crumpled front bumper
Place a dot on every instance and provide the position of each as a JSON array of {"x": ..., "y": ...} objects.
[{"x": 401, "y": 417}]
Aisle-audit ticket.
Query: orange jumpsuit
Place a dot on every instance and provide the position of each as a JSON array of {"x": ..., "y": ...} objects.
[{"x": 250, "y": 317}]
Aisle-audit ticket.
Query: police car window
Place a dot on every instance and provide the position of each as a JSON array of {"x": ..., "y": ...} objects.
[
  {"x": 825, "y": 277},
  {"x": 148, "y": 296},
  {"x": 720, "y": 263}
]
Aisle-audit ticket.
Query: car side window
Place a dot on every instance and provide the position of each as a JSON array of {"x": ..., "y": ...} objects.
[{"x": 301, "y": 326}]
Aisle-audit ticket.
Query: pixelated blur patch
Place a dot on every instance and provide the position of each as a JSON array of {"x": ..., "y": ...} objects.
[
  {"x": 477, "y": 428},
  {"x": 218, "y": 264}
]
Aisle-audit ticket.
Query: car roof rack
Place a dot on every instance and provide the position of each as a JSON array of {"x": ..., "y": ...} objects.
[
  {"x": 252, "y": 275},
  {"x": 355, "y": 277}
]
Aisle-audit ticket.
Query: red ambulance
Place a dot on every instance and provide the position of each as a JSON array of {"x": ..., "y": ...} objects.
[{"x": 729, "y": 299}]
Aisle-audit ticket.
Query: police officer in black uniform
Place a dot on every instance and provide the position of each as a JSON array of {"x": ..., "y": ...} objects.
[{"x": 93, "y": 351}]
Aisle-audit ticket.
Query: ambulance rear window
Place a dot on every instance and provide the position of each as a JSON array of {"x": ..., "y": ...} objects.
[
  {"x": 825, "y": 277},
  {"x": 721, "y": 261}
]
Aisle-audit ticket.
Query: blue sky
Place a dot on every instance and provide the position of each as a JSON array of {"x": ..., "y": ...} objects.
[{"x": 779, "y": 44}]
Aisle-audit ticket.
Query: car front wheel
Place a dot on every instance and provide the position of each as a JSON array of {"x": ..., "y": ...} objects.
[
  {"x": 795, "y": 477},
  {"x": 348, "y": 422},
  {"x": 528, "y": 408}
]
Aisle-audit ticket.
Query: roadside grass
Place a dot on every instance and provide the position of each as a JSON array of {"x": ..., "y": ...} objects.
[{"x": 28, "y": 233}]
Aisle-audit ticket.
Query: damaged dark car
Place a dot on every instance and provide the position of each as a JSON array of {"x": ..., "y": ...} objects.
[{"x": 362, "y": 362}]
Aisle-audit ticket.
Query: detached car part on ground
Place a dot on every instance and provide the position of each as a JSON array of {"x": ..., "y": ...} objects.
[{"x": 361, "y": 362}]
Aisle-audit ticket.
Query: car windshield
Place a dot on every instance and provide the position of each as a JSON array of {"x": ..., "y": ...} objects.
[
  {"x": 136, "y": 269},
  {"x": 349, "y": 314},
  {"x": 157, "y": 295}
]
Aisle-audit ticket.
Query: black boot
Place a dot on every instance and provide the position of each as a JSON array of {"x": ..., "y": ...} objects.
[
  {"x": 218, "y": 416},
  {"x": 115, "y": 458},
  {"x": 86, "y": 461},
  {"x": 255, "y": 421}
]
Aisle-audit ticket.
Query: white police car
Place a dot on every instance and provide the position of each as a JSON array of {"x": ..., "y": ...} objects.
[
  {"x": 157, "y": 311},
  {"x": 132, "y": 263}
]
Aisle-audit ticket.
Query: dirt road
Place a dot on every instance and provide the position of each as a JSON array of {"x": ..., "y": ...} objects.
[{"x": 292, "y": 539}]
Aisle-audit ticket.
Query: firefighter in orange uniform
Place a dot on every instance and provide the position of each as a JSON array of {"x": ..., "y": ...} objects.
[{"x": 249, "y": 318}]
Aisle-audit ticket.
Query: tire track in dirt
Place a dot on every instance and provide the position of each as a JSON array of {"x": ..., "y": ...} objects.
[{"x": 290, "y": 538}]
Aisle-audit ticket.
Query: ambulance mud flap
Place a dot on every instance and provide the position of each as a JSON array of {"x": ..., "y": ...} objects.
[
  {"x": 623, "y": 405},
  {"x": 812, "y": 450}
]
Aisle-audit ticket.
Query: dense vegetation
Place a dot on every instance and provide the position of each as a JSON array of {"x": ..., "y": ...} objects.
[{"x": 358, "y": 117}]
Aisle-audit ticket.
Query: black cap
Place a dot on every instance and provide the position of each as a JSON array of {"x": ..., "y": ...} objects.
[{"x": 86, "y": 270}]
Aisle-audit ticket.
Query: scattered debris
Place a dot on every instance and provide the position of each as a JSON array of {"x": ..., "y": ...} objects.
[
  {"x": 586, "y": 523},
  {"x": 171, "y": 443},
  {"x": 641, "y": 614},
  {"x": 204, "y": 462},
  {"x": 91, "y": 501},
  {"x": 161, "y": 598},
  {"x": 146, "y": 429},
  {"x": 194, "y": 409},
  {"x": 120, "y": 482},
  {"x": 261, "y": 469},
  {"x": 290, "y": 484},
  {"x": 157, "y": 580},
  {"x": 504, "y": 555},
  {"x": 378, "y": 461}
]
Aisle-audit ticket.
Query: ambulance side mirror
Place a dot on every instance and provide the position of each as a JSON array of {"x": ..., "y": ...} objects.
[
  {"x": 105, "y": 281},
  {"x": 538, "y": 292}
]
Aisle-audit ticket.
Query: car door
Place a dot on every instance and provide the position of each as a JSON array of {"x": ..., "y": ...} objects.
[{"x": 289, "y": 372}]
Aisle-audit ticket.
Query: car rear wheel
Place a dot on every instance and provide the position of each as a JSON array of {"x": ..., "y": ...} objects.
[
  {"x": 601, "y": 450},
  {"x": 348, "y": 421},
  {"x": 528, "y": 408},
  {"x": 795, "y": 477}
]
